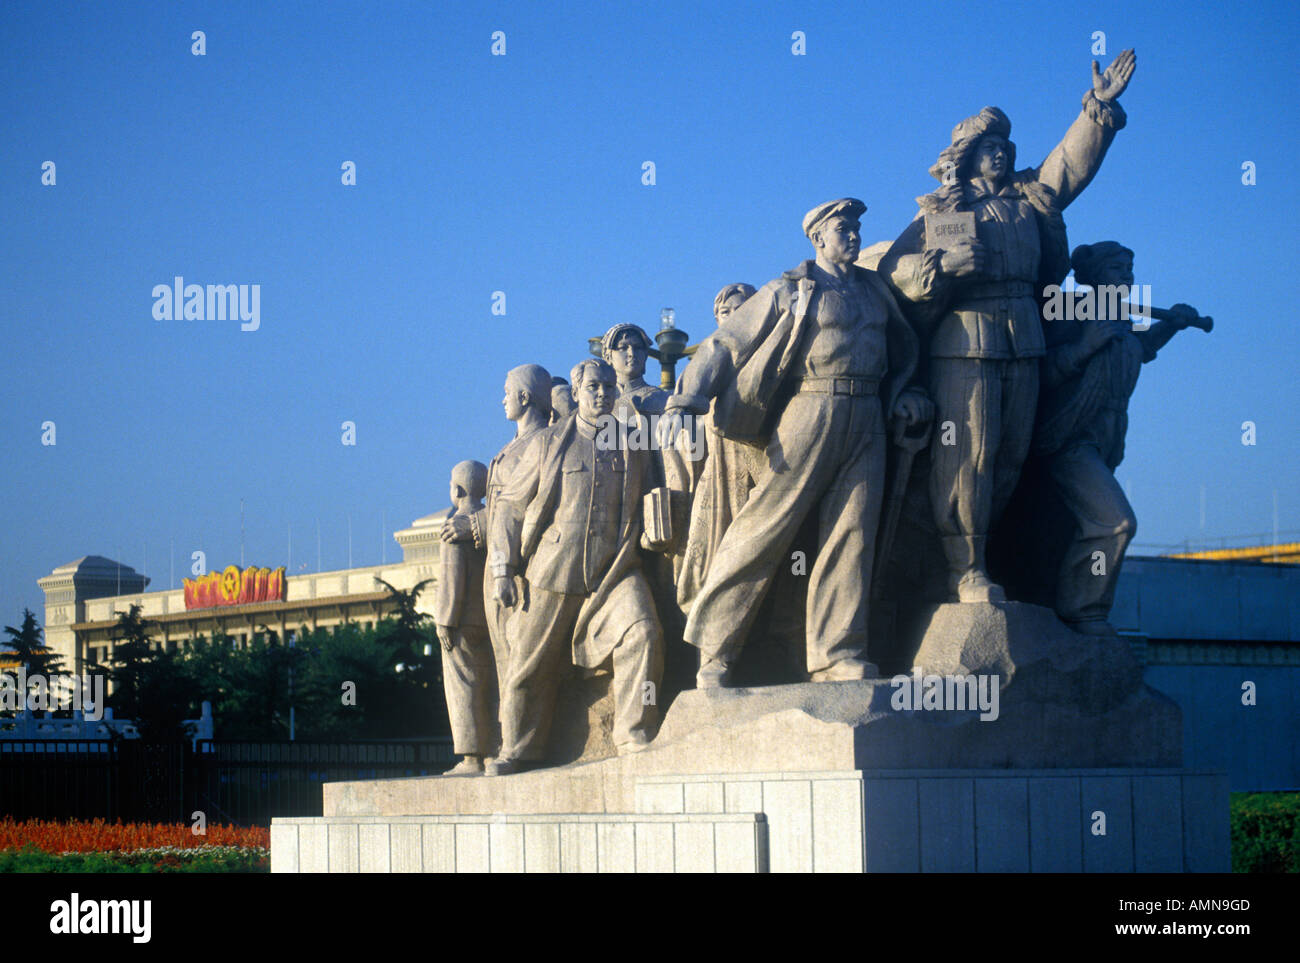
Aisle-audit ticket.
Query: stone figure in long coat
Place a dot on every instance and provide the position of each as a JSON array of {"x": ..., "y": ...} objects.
[
  {"x": 722, "y": 476},
  {"x": 807, "y": 371},
  {"x": 570, "y": 523}
]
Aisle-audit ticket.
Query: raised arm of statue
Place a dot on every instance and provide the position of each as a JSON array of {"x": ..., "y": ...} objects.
[
  {"x": 1073, "y": 163},
  {"x": 1064, "y": 361},
  {"x": 699, "y": 382}
]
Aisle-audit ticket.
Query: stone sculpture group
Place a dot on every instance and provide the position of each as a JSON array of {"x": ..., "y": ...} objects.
[{"x": 861, "y": 412}]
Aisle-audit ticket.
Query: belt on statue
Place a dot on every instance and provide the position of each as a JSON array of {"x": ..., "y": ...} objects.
[
  {"x": 848, "y": 385},
  {"x": 996, "y": 289}
]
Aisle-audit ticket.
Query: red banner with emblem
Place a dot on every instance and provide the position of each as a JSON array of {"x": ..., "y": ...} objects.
[{"x": 230, "y": 586}]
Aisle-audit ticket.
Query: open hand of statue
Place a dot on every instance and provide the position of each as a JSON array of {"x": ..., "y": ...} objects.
[
  {"x": 963, "y": 259},
  {"x": 1111, "y": 84}
]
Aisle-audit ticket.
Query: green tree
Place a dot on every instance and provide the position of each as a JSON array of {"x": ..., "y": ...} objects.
[
  {"x": 257, "y": 702},
  {"x": 129, "y": 661},
  {"x": 31, "y": 651},
  {"x": 406, "y": 626},
  {"x": 349, "y": 687},
  {"x": 423, "y": 706},
  {"x": 249, "y": 688},
  {"x": 155, "y": 689}
]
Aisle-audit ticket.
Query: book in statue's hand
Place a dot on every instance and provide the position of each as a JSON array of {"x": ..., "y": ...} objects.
[
  {"x": 944, "y": 229},
  {"x": 658, "y": 515}
]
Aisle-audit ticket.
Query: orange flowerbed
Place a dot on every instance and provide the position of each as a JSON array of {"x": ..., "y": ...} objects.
[{"x": 100, "y": 836}]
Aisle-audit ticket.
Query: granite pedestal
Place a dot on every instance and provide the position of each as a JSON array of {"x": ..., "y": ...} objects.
[{"x": 1080, "y": 771}]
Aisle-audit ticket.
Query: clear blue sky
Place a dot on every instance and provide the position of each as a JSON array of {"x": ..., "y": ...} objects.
[{"x": 522, "y": 174}]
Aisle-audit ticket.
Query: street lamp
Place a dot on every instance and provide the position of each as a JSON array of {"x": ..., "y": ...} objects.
[{"x": 672, "y": 348}]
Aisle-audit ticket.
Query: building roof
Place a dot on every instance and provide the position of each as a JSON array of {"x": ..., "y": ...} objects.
[
  {"x": 1286, "y": 553},
  {"x": 96, "y": 571},
  {"x": 94, "y": 565}
]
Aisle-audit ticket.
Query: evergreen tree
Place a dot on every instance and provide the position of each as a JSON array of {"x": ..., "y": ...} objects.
[
  {"x": 31, "y": 651},
  {"x": 423, "y": 706},
  {"x": 407, "y": 628},
  {"x": 153, "y": 688}
]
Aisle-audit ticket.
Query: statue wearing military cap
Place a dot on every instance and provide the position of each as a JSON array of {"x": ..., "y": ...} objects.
[
  {"x": 848, "y": 209},
  {"x": 806, "y": 372}
]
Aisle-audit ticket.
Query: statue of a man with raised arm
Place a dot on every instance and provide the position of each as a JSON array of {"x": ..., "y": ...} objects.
[{"x": 980, "y": 296}]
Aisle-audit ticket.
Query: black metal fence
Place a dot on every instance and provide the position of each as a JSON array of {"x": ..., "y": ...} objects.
[{"x": 245, "y": 783}]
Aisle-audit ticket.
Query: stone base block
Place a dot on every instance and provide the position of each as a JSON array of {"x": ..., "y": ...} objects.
[
  {"x": 967, "y": 821},
  {"x": 1073, "y": 767},
  {"x": 852, "y": 821},
  {"x": 570, "y": 843}
]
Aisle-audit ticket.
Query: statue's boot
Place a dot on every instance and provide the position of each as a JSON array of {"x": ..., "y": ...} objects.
[
  {"x": 503, "y": 766},
  {"x": 469, "y": 766},
  {"x": 713, "y": 674},
  {"x": 638, "y": 743},
  {"x": 846, "y": 670},
  {"x": 968, "y": 577}
]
